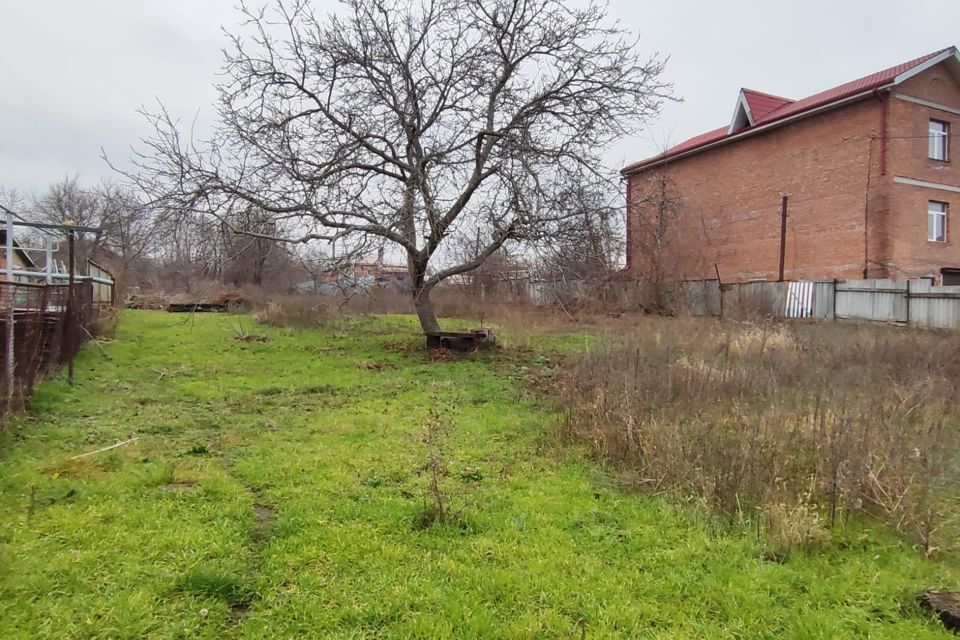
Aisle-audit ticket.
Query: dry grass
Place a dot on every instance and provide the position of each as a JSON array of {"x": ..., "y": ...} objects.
[
  {"x": 104, "y": 323},
  {"x": 312, "y": 310},
  {"x": 304, "y": 312},
  {"x": 450, "y": 302},
  {"x": 792, "y": 428}
]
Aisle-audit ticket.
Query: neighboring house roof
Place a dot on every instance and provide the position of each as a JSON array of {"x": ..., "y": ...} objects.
[
  {"x": 756, "y": 111},
  {"x": 100, "y": 267},
  {"x": 368, "y": 266},
  {"x": 17, "y": 248}
]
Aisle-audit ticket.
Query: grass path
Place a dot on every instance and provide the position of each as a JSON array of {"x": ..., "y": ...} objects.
[{"x": 274, "y": 486}]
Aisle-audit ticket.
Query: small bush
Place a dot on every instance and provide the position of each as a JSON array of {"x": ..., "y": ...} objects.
[{"x": 794, "y": 427}]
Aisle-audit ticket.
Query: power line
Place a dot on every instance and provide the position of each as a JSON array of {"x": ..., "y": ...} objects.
[{"x": 13, "y": 213}]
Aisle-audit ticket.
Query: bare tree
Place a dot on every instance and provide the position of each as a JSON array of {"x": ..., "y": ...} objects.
[
  {"x": 411, "y": 121},
  {"x": 11, "y": 199},
  {"x": 129, "y": 227},
  {"x": 190, "y": 247},
  {"x": 127, "y": 223},
  {"x": 253, "y": 255},
  {"x": 588, "y": 247},
  {"x": 68, "y": 200},
  {"x": 655, "y": 209}
]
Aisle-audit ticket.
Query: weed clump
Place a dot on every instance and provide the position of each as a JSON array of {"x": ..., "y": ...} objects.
[
  {"x": 438, "y": 506},
  {"x": 211, "y": 583}
]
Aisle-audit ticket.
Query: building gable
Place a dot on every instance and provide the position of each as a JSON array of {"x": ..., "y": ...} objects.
[
  {"x": 752, "y": 107},
  {"x": 756, "y": 112}
]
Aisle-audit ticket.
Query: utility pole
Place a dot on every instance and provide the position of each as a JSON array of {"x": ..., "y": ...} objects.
[{"x": 783, "y": 235}]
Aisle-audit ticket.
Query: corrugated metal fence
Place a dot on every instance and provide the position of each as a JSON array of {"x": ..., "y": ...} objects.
[
  {"x": 908, "y": 302},
  {"x": 932, "y": 306}
]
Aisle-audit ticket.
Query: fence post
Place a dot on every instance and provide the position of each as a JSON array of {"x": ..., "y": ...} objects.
[
  {"x": 69, "y": 328},
  {"x": 833, "y": 310},
  {"x": 11, "y": 294},
  {"x": 783, "y": 236},
  {"x": 48, "y": 266},
  {"x": 908, "y": 302},
  {"x": 719, "y": 288}
]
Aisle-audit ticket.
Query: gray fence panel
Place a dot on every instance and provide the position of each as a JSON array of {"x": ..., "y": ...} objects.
[
  {"x": 546, "y": 292},
  {"x": 823, "y": 295},
  {"x": 873, "y": 300},
  {"x": 915, "y": 302},
  {"x": 698, "y": 297},
  {"x": 932, "y": 306},
  {"x": 755, "y": 298}
]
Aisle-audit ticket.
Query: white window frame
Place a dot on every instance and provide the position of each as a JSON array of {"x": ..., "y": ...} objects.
[
  {"x": 937, "y": 221},
  {"x": 939, "y": 147}
]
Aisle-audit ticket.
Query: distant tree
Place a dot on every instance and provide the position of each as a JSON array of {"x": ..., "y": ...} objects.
[
  {"x": 68, "y": 200},
  {"x": 236, "y": 250},
  {"x": 127, "y": 223},
  {"x": 252, "y": 254},
  {"x": 669, "y": 242},
  {"x": 411, "y": 122},
  {"x": 129, "y": 228},
  {"x": 11, "y": 199},
  {"x": 655, "y": 208},
  {"x": 588, "y": 247}
]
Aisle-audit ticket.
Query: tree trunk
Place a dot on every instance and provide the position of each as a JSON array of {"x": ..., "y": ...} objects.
[
  {"x": 417, "y": 271},
  {"x": 425, "y": 311}
]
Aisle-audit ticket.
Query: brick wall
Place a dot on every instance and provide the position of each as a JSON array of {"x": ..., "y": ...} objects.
[
  {"x": 912, "y": 254},
  {"x": 843, "y": 210}
]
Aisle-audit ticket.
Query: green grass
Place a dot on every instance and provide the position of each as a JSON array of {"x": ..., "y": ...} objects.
[{"x": 275, "y": 488}]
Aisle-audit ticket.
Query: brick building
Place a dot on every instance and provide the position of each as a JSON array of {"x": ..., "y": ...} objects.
[{"x": 865, "y": 171}]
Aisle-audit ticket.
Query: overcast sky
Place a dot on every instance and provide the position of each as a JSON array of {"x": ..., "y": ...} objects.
[{"x": 74, "y": 73}]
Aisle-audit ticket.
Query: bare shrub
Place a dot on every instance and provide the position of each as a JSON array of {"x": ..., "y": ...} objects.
[
  {"x": 438, "y": 493},
  {"x": 792, "y": 427},
  {"x": 302, "y": 312}
]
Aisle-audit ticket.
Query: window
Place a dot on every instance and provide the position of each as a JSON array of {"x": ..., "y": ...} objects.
[
  {"x": 939, "y": 139},
  {"x": 937, "y": 221},
  {"x": 950, "y": 277}
]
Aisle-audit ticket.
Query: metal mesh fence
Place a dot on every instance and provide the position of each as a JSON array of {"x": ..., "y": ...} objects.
[{"x": 42, "y": 327}]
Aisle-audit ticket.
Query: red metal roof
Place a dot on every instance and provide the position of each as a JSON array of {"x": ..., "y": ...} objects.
[
  {"x": 696, "y": 141},
  {"x": 867, "y": 83},
  {"x": 766, "y": 109},
  {"x": 761, "y": 104}
]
